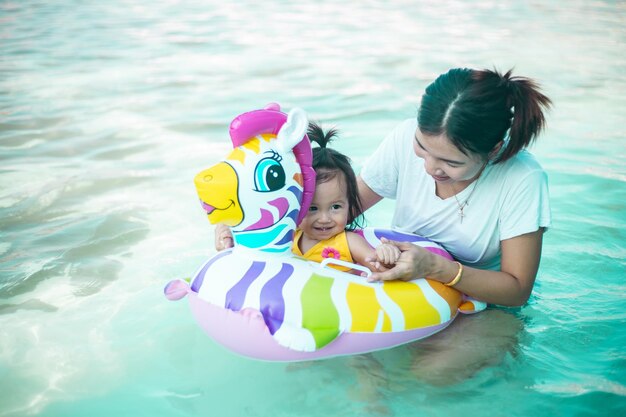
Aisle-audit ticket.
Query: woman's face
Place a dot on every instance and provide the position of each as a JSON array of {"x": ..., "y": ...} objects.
[{"x": 444, "y": 161}]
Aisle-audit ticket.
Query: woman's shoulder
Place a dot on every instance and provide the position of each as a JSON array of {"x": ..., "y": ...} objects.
[
  {"x": 407, "y": 127},
  {"x": 527, "y": 160},
  {"x": 394, "y": 146},
  {"x": 521, "y": 172},
  {"x": 410, "y": 123},
  {"x": 402, "y": 136},
  {"x": 403, "y": 130},
  {"x": 519, "y": 166}
]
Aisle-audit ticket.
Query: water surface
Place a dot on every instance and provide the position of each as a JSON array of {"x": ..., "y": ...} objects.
[{"x": 108, "y": 109}]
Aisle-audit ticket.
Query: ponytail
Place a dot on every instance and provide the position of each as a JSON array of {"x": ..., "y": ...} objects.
[{"x": 528, "y": 118}]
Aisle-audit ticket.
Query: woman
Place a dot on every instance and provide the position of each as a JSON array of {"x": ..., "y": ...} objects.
[{"x": 462, "y": 178}]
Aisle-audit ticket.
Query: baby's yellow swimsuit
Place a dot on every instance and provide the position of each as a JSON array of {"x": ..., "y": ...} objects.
[{"x": 335, "y": 247}]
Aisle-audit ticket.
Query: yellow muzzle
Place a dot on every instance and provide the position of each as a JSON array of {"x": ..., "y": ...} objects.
[{"x": 217, "y": 188}]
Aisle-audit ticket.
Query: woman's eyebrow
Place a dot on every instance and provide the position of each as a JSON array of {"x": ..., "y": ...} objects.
[{"x": 450, "y": 161}]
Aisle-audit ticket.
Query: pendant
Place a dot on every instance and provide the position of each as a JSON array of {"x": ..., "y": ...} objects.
[{"x": 461, "y": 215}]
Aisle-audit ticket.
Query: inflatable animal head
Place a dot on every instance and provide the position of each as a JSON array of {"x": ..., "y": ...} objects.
[{"x": 264, "y": 187}]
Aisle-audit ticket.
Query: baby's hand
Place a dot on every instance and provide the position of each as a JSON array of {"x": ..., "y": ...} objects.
[
  {"x": 387, "y": 254},
  {"x": 223, "y": 237}
]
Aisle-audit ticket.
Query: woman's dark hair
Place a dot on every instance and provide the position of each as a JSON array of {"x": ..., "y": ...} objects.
[
  {"x": 476, "y": 108},
  {"x": 327, "y": 163}
]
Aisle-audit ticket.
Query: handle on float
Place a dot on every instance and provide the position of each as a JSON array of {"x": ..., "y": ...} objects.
[{"x": 350, "y": 265}]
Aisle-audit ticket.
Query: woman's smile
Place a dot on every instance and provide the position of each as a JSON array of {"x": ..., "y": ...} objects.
[{"x": 440, "y": 178}]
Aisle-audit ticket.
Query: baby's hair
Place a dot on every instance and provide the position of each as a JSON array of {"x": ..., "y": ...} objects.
[{"x": 328, "y": 163}]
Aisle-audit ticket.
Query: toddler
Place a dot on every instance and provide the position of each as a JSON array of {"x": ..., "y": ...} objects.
[{"x": 327, "y": 231}]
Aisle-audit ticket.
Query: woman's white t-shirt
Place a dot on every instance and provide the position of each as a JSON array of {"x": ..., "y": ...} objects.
[{"x": 509, "y": 199}]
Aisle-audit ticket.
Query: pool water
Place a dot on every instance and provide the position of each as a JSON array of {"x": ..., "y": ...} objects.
[{"x": 108, "y": 109}]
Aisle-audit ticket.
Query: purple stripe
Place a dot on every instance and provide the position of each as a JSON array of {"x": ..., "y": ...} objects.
[
  {"x": 285, "y": 239},
  {"x": 293, "y": 215},
  {"x": 272, "y": 301},
  {"x": 199, "y": 278},
  {"x": 237, "y": 294},
  {"x": 399, "y": 236},
  {"x": 296, "y": 191}
]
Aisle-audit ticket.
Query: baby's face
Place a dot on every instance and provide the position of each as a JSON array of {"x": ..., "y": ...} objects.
[{"x": 328, "y": 213}]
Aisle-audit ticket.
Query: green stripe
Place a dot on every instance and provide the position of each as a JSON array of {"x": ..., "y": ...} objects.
[{"x": 319, "y": 314}]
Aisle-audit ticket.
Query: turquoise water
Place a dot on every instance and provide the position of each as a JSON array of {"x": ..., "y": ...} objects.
[{"x": 108, "y": 109}]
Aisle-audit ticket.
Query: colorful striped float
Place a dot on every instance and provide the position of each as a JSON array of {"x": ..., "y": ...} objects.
[{"x": 260, "y": 300}]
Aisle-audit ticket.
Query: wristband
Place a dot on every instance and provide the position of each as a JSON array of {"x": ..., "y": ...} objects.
[{"x": 457, "y": 278}]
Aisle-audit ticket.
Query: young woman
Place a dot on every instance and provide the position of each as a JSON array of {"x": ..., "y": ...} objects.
[{"x": 461, "y": 176}]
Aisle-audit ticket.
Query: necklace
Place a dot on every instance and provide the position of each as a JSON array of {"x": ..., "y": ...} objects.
[{"x": 466, "y": 202}]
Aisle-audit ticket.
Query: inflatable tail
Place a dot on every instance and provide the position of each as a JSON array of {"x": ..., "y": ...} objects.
[{"x": 471, "y": 305}]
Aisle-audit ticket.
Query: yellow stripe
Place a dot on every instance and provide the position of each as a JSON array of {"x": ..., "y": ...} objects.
[
  {"x": 253, "y": 144},
  {"x": 238, "y": 155},
  {"x": 386, "y": 323},
  {"x": 364, "y": 308},
  {"x": 418, "y": 312},
  {"x": 268, "y": 136}
]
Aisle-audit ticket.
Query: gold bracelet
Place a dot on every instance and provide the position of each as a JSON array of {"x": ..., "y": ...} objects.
[{"x": 457, "y": 278}]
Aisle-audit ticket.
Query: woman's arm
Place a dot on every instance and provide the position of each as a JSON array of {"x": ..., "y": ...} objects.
[
  {"x": 366, "y": 194},
  {"x": 511, "y": 286}
]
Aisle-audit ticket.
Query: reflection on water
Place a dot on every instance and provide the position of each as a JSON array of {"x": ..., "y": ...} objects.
[
  {"x": 108, "y": 110},
  {"x": 435, "y": 366},
  {"x": 69, "y": 245},
  {"x": 469, "y": 345},
  {"x": 32, "y": 304}
]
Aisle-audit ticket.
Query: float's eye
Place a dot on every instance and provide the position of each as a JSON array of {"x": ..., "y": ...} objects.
[{"x": 269, "y": 174}]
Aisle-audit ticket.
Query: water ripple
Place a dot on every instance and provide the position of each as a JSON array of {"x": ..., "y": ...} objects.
[{"x": 108, "y": 109}]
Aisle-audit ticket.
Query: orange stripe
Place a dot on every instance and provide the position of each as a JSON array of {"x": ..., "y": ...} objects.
[
  {"x": 452, "y": 296},
  {"x": 298, "y": 178}
]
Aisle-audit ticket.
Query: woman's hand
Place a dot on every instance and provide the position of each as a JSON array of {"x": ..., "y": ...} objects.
[
  {"x": 223, "y": 237},
  {"x": 510, "y": 286},
  {"x": 413, "y": 262}
]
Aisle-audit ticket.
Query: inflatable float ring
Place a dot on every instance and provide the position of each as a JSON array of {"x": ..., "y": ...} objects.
[{"x": 260, "y": 300}]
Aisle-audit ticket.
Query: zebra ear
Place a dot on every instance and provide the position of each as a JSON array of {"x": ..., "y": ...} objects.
[{"x": 293, "y": 131}]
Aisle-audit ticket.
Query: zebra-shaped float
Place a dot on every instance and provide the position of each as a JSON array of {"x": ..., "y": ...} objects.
[{"x": 260, "y": 300}]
